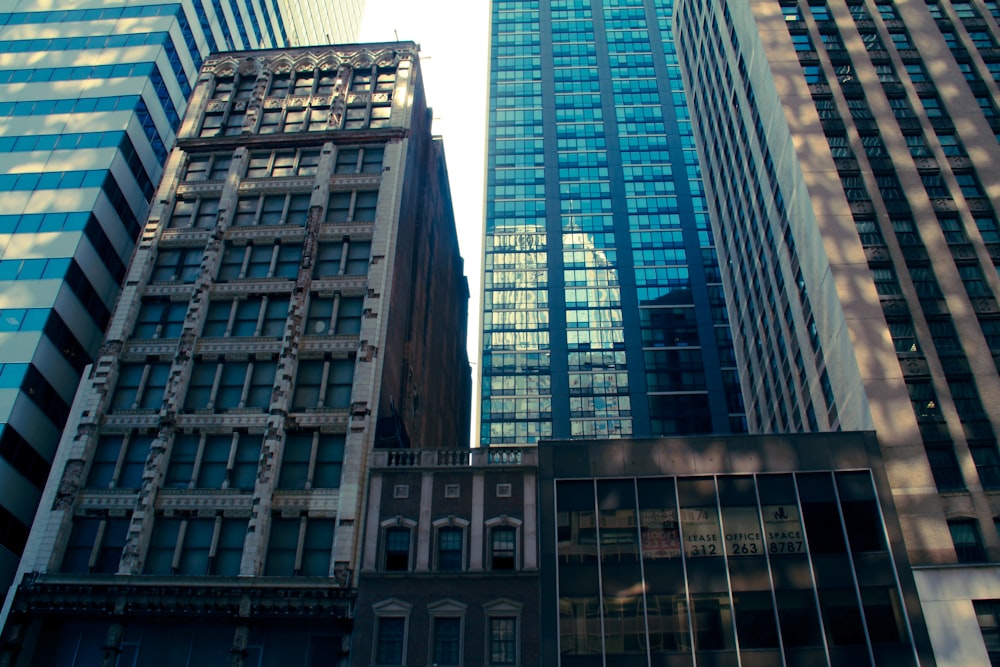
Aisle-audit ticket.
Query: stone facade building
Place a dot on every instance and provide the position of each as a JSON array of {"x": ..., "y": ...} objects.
[{"x": 296, "y": 300}]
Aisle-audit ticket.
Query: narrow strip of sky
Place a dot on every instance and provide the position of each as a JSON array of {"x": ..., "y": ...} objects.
[{"x": 453, "y": 37}]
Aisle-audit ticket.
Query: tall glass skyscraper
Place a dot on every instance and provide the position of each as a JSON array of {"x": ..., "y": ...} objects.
[
  {"x": 849, "y": 151},
  {"x": 91, "y": 96},
  {"x": 603, "y": 312}
]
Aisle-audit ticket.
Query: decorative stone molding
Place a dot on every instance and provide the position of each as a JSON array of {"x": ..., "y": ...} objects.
[
  {"x": 303, "y": 597},
  {"x": 339, "y": 183}
]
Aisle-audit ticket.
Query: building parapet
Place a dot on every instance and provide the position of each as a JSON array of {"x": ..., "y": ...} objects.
[{"x": 455, "y": 458}]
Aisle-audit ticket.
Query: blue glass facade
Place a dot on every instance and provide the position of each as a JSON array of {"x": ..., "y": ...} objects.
[{"x": 603, "y": 312}]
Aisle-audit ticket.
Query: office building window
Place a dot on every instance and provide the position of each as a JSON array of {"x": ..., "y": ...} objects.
[
  {"x": 272, "y": 210},
  {"x": 988, "y": 614},
  {"x": 218, "y": 385},
  {"x": 450, "y": 544},
  {"x": 502, "y": 640},
  {"x": 294, "y": 120},
  {"x": 337, "y": 315},
  {"x": 390, "y": 639},
  {"x": 323, "y": 384},
  {"x": 950, "y": 144},
  {"x": 140, "y": 386},
  {"x": 260, "y": 261},
  {"x": 177, "y": 265},
  {"x": 210, "y": 167},
  {"x": 355, "y": 206},
  {"x": 311, "y": 461},
  {"x": 195, "y": 546},
  {"x": 278, "y": 164},
  {"x": 95, "y": 545},
  {"x": 197, "y": 168},
  {"x": 925, "y": 283},
  {"x": 300, "y": 546},
  {"x": 214, "y": 461},
  {"x": 446, "y": 640},
  {"x": 119, "y": 460},
  {"x": 160, "y": 319},
  {"x": 365, "y": 160},
  {"x": 252, "y": 316},
  {"x": 968, "y": 541},
  {"x": 503, "y": 547},
  {"x": 328, "y": 259},
  {"x": 396, "y": 544}
]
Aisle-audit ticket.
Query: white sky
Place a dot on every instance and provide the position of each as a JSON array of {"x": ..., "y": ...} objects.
[{"x": 453, "y": 37}]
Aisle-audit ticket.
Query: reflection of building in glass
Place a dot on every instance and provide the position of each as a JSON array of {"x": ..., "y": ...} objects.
[
  {"x": 296, "y": 301},
  {"x": 603, "y": 315},
  {"x": 659, "y": 562}
]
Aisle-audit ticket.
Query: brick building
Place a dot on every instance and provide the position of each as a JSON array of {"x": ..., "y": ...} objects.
[{"x": 450, "y": 570}]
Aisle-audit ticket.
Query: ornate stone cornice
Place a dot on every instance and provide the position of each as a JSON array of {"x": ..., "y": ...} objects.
[
  {"x": 196, "y": 188},
  {"x": 283, "y": 184},
  {"x": 226, "y": 420},
  {"x": 332, "y": 344},
  {"x": 179, "y": 291},
  {"x": 326, "y": 418},
  {"x": 293, "y": 139},
  {"x": 190, "y": 597},
  {"x": 388, "y": 54},
  {"x": 133, "y": 419},
  {"x": 337, "y": 231},
  {"x": 338, "y": 183},
  {"x": 245, "y": 288},
  {"x": 266, "y": 233},
  {"x": 242, "y": 347}
]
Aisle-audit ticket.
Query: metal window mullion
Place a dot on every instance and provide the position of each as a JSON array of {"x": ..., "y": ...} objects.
[
  {"x": 175, "y": 562},
  {"x": 284, "y": 209},
  {"x": 642, "y": 572},
  {"x": 346, "y": 247},
  {"x": 141, "y": 388},
  {"x": 300, "y": 544},
  {"x": 600, "y": 570},
  {"x": 247, "y": 377},
  {"x": 334, "y": 313},
  {"x": 261, "y": 316},
  {"x": 231, "y": 322},
  {"x": 812, "y": 571},
  {"x": 95, "y": 550},
  {"x": 313, "y": 456},
  {"x": 687, "y": 587},
  {"x": 767, "y": 560},
  {"x": 213, "y": 546},
  {"x": 231, "y": 460},
  {"x": 199, "y": 455},
  {"x": 321, "y": 396},
  {"x": 725, "y": 562},
  {"x": 247, "y": 251},
  {"x": 350, "y": 210},
  {"x": 216, "y": 381},
  {"x": 895, "y": 570},
  {"x": 275, "y": 251},
  {"x": 854, "y": 573},
  {"x": 260, "y": 198},
  {"x": 120, "y": 461}
]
